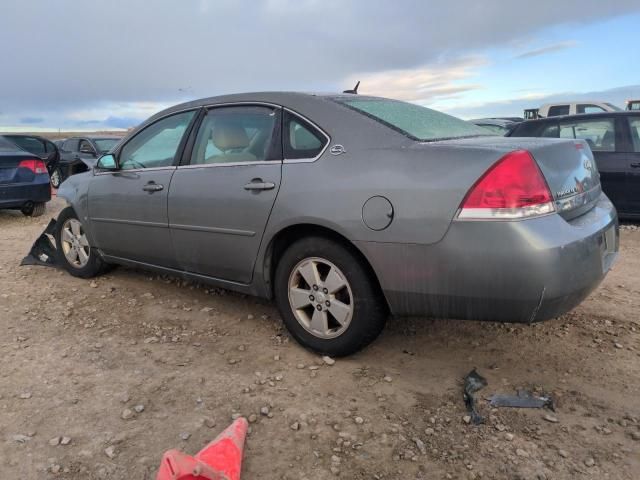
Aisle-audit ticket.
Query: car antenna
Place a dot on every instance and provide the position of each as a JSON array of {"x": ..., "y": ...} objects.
[{"x": 355, "y": 89}]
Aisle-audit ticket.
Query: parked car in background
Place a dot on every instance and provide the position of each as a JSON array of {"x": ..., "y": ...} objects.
[
  {"x": 633, "y": 105},
  {"x": 44, "y": 148},
  {"x": 345, "y": 208},
  {"x": 497, "y": 126},
  {"x": 575, "y": 108},
  {"x": 78, "y": 154},
  {"x": 614, "y": 139},
  {"x": 24, "y": 180}
]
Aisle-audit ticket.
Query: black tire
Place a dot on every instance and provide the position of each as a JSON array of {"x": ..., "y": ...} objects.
[
  {"x": 56, "y": 178},
  {"x": 95, "y": 265},
  {"x": 369, "y": 312},
  {"x": 34, "y": 209}
]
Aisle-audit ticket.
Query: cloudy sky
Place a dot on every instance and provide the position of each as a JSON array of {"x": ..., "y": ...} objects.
[{"x": 77, "y": 64}]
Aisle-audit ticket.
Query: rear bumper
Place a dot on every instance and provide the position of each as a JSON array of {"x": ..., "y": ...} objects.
[
  {"x": 521, "y": 271},
  {"x": 16, "y": 195}
]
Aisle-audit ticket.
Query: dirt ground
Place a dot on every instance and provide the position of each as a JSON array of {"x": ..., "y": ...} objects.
[{"x": 99, "y": 378}]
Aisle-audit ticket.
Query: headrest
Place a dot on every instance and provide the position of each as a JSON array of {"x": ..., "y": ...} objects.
[{"x": 229, "y": 136}]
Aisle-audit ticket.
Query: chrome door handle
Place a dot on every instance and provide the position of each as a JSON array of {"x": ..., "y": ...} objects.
[
  {"x": 635, "y": 165},
  {"x": 260, "y": 186},
  {"x": 153, "y": 187}
]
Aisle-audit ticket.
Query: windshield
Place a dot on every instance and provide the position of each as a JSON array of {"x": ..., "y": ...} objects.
[
  {"x": 105, "y": 144},
  {"x": 419, "y": 123}
]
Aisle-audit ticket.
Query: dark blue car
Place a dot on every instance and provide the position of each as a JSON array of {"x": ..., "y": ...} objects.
[{"x": 24, "y": 180}]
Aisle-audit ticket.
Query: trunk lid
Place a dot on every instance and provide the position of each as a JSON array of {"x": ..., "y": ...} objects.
[
  {"x": 10, "y": 158},
  {"x": 567, "y": 165}
]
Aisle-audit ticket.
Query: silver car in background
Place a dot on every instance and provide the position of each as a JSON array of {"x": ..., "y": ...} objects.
[{"x": 345, "y": 209}]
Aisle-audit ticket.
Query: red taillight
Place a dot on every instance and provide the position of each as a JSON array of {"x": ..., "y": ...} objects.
[
  {"x": 36, "y": 166},
  {"x": 513, "y": 187}
]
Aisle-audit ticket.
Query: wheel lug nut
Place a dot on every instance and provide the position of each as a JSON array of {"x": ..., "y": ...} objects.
[
  {"x": 312, "y": 298},
  {"x": 319, "y": 307},
  {"x": 327, "y": 303},
  {"x": 325, "y": 291},
  {"x": 315, "y": 287}
]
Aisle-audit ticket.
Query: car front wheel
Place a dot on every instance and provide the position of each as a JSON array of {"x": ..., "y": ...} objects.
[
  {"x": 74, "y": 252},
  {"x": 327, "y": 299}
]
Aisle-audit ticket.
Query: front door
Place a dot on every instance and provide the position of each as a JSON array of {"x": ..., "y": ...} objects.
[
  {"x": 632, "y": 158},
  {"x": 128, "y": 207},
  {"x": 220, "y": 201}
]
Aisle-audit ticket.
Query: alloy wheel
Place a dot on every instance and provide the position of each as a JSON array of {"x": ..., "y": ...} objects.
[
  {"x": 320, "y": 297},
  {"x": 75, "y": 245}
]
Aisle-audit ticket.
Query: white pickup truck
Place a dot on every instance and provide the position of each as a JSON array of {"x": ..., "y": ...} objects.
[{"x": 570, "y": 108}]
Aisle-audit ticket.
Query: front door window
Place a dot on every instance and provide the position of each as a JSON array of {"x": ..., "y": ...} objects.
[{"x": 157, "y": 145}]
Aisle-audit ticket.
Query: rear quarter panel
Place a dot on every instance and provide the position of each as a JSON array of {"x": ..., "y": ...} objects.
[{"x": 425, "y": 183}]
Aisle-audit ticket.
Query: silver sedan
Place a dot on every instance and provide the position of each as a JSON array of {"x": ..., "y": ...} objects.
[{"x": 346, "y": 209}]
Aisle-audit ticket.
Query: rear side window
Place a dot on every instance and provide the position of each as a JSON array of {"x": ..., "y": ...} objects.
[
  {"x": 301, "y": 139},
  {"x": 587, "y": 108},
  {"x": 558, "y": 110},
  {"x": 599, "y": 134},
  {"x": 550, "y": 131},
  {"x": 414, "y": 121},
  {"x": 530, "y": 129},
  {"x": 634, "y": 126},
  {"x": 70, "y": 145}
]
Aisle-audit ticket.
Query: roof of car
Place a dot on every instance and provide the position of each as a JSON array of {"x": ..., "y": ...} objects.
[{"x": 289, "y": 99}]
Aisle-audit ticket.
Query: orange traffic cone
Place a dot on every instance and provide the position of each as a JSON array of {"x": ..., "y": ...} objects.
[{"x": 220, "y": 460}]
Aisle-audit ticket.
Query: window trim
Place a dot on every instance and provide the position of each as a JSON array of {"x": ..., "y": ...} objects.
[{"x": 314, "y": 125}]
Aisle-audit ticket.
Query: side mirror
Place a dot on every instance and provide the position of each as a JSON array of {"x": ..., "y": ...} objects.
[{"x": 107, "y": 162}]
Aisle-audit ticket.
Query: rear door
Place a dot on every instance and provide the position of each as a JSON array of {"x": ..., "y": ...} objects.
[
  {"x": 631, "y": 149},
  {"x": 602, "y": 134},
  {"x": 128, "y": 207},
  {"x": 221, "y": 197}
]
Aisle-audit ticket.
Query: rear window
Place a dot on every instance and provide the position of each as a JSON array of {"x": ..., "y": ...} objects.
[
  {"x": 29, "y": 144},
  {"x": 414, "y": 121},
  {"x": 7, "y": 146}
]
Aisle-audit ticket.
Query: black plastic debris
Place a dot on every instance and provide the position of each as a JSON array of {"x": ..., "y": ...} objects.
[
  {"x": 43, "y": 250},
  {"x": 524, "y": 399},
  {"x": 472, "y": 383}
]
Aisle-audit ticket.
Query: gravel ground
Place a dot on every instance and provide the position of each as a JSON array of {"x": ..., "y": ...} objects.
[{"x": 100, "y": 377}]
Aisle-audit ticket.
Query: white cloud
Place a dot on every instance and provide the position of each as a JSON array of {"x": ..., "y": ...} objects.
[
  {"x": 421, "y": 84},
  {"x": 555, "y": 47}
]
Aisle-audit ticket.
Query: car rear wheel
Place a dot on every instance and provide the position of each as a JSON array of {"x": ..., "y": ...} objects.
[
  {"x": 326, "y": 297},
  {"x": 32, "y": 209},
  {"x": 56, "y": 178},
  {"x": 74, "y": 252}
]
